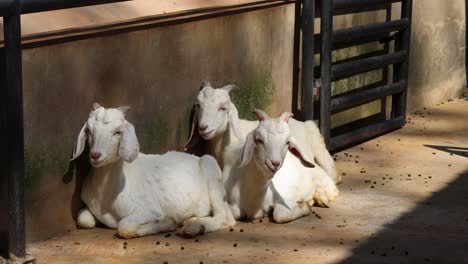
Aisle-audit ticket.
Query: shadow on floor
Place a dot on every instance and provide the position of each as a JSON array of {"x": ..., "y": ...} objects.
[
  {"x": 435, "y": 231},
  {"x": 452, "y": 150}
]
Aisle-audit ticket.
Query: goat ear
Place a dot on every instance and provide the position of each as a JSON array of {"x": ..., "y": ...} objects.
[
  {"x": 285, "y": 116},
  {"x": 233, "y": 116},
  {"x": 129, "y": 146},
  {"x": 79, "y": 143},
  {"x": 296, "y": 151},
  {"x": 261, "y": 115},
  {"x": 124, "y": 108},
  {"x": 194, "y": 136},
  {"x": 205, "y": 84},
  {"x": 96, "y": 105},
  {"x": 230, "y": 87},
  {"x": 247, "y": 150}
]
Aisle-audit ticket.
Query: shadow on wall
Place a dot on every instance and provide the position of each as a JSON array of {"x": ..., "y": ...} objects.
[
  {"x": 435, "y": 231},
  {"x": 77, "y": 170}
]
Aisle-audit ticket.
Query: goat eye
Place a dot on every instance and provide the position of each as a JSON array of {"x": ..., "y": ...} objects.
[
  {"x": 118, "y": 133},
  {"x": 259, "y": 141},
  {"x": 222, "y": 109}
]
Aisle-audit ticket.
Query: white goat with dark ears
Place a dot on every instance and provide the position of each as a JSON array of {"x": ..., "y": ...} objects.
[
  {"x": 274, "y": 174},
  {"x": 143, "y": 194},
  {"x": 216, "y": 121}
]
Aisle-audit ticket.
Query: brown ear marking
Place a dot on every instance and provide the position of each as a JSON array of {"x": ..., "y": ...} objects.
[{"x": 304, "y": 162}]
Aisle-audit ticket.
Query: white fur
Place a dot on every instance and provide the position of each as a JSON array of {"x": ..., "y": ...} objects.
[
  {"x": 142, "y": 194},
  {"x": 257, "y": 187},
  {"x": 223, "y": 136}
]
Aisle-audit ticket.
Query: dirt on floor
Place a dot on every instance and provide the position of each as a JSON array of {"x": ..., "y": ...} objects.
[{"x": 404, "y": 199}]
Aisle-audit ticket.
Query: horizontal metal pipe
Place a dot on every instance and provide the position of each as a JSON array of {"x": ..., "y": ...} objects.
[
  {"x": 357, "y": 136},
  {"x": 359, "y": 57},
  {"x": 7, "y": 7},
  {"x": 344, "y": 70},
  {"x": 351, "y": 10},
  {"x": 356, "y": 33},
  {"x": 354, "y": 42},
  {"x": 365, "y": 95},
  {"x": 340, "y": 4},
  {"x": 33, "y": 6}
]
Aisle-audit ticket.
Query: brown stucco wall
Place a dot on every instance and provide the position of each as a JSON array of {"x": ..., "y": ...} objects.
[
  {"x": 437, "y": 60},
  {"x": 157, "y": 72}
]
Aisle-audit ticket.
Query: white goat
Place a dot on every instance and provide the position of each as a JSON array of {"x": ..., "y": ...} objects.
[
  {"x": 280, "y": 178},
  {"x": 216, "y": 120},
  {"x": 146, "y": 194}
]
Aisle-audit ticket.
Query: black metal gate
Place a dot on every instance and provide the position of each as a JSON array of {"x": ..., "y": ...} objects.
[{"x": 330, "y": 71}]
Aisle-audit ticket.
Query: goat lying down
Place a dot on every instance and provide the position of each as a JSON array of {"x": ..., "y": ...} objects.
[
  {"x": 216, "y": 121},
  {"x": 273, "y": 175},
  {"x": 142, "y": 194}
]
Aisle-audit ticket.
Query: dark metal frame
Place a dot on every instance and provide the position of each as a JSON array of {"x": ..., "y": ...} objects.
[
  {"x": 329, "y": 71},
  {"x": 12, "y": 110}
]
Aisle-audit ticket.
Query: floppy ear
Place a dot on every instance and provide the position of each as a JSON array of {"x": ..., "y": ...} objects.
[
  {"x": 247, "y": 150},
  {"x": 79, "y": 143},
  {"x": 129, "y": 146},
  {"x": 233, "y": 116},
  {"x": 194, "y": 136},
  {"x": 296, "y": 151}
]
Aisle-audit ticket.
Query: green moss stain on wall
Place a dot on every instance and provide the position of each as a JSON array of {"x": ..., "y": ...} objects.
[
  {"x": 153, "y": 132},
  {"x": 42, "y": 159},
  {"x": 254, "y": 93}
]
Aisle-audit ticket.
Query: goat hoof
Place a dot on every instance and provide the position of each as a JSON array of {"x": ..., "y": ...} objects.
[
  {"x": 324, "y": 197},
  {"x": 192, "y": 229}
]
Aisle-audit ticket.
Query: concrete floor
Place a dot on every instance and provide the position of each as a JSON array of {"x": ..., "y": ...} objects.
[{"x": 404, "y": 199}]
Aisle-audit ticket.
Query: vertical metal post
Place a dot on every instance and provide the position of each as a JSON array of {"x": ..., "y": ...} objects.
[
  {"x": 296, "y": 55},
  {"x": 403, "y": 43},
  {"x": 307, "y": 98},
  {"x": 466, "y": 41},
  {"x": 326, "y": 63},
  {"x": 13, "y": 100},
  {"x": 383, "y": 101}
]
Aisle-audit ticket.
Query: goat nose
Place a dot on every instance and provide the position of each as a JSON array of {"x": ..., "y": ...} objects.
[
  {"x": 276, "y": 163},
  {"x": 95, "y": 155},
  {"x": 203, "y": 127}
]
